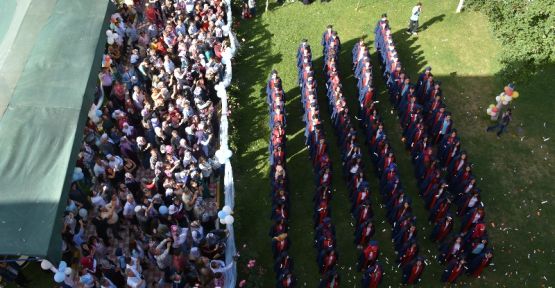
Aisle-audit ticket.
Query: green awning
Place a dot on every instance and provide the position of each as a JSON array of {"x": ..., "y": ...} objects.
[{"x": 50, "y": 54}]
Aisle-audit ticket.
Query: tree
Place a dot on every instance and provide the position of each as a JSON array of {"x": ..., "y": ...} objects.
[
  {"x": 526, "y": 30},
  {"x": 460, "y": 6}
]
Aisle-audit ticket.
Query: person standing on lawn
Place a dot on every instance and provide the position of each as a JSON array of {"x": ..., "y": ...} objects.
[
  {"x": 413, "y": 24},
  {"x": 502, "y": 125}
]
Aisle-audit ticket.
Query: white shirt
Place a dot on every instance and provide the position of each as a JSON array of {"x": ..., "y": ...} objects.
[
  {"x": 206, "y": 169},
  {"x": 138, "y": 99},
  {"x": 181, "y": 238},
  {"x": 472, "y": 201},
  {"x": 98, "y": 201},
  {"x": 222, "y": 268},
  {"x": 135, "y": 282},
  {"x": 110, "y": 284},
  {"x": 98, "y": 170},
  {"x": 129, "y": 209},
  {"x": 415, "y": 13},
  {"x": 476, "y": 218},
  {"x": 189, "y": 5},
  {"x": 116, "y": 164}
]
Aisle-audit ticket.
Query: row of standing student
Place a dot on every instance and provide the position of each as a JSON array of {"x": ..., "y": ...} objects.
[
  {"x": 353, "y": 170},
  {"x": 283, "y": 263},
  {"x": 444, "y": 174},
  {"x": 432, "y": 187},
  {"x": 398, "y": 204},
  {"x": 325, "y": 241}
]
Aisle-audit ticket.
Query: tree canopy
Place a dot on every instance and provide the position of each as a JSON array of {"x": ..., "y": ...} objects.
[{"x": 526, "y": 29}]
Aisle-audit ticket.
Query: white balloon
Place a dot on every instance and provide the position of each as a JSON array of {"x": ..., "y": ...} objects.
[
  {"x": 45, "y": 264},
  {"x": 59, "y": 277},
  {"x": 108, "y": 33},
  {"x": 223, "y": 155},
  {"x": 83, "y": 213},
  {"x": 222, "y": 220},
  {"x": 68, "y": 271},
  {"x": 227, "y": 209},
  {"x": 110, "y": 41},
  {"x": 229, "y": 219}
]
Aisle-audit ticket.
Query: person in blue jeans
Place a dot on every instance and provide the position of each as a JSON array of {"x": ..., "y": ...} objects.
[{"x": 502, "y": 125}]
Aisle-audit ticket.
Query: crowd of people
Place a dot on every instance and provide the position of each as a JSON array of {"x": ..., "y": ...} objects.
[
  {"x": 442, "y": 168},
  {"x": 143, "y": 214},
  {"x": 397, "y": 202},
  {"x": 325, "y": 240},
  {"x": 283, "y": 263},
  {"x": 351, "y": 159}
]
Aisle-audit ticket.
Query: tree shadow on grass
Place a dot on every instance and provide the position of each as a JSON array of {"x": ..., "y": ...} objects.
[{"x": 254, "y": 62}]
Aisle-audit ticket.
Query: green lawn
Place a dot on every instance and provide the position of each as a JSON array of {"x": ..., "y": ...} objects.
[{"x": 513, "y": 171}]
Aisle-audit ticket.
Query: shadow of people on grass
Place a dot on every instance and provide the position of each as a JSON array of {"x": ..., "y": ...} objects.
[{"x": 427, "y": 24}]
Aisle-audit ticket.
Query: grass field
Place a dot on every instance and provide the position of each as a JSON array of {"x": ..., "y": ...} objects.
[{"x": 514, "y": 171}]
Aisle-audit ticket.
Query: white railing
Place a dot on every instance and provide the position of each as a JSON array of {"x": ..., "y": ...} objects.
[{"x": 224, "y": 153}]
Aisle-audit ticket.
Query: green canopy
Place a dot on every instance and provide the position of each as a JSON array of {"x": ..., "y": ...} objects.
[{"x": 50, "y": 56}]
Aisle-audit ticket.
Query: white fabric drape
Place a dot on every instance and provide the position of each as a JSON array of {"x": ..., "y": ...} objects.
[{"x": 224, "y": 153}]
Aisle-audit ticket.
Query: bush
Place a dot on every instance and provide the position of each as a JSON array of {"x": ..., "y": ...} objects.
[{"x": 526, "y": 29}]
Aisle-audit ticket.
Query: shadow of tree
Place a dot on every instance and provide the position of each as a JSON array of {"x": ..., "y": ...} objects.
[{"x": 254, "y": 62}]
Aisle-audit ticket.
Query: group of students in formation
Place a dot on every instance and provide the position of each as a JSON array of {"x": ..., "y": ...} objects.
[
  {"x": 283, "y": 263},
  {"x": 351, "y": 159},
  {"x": 442, "y": 168},
  {"x": 325, "y": 241},
  {"x": 397, "y": 202}
]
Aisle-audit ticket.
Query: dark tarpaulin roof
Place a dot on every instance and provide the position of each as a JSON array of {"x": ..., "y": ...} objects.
[{"x": 50, "y": 54}]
